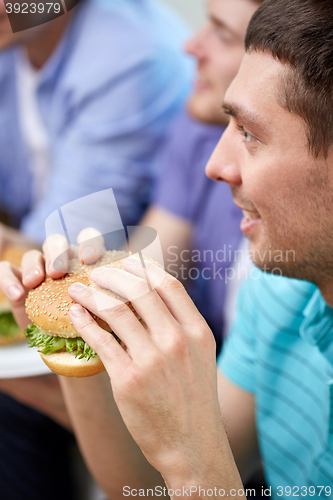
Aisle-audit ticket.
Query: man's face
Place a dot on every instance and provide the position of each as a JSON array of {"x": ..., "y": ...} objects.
[
  {"x": 285, "y": 191},
  {"x": 218, "y": 48}
]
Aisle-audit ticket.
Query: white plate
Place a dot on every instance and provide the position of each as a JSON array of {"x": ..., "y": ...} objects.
[{"x": 21, "y": 361}]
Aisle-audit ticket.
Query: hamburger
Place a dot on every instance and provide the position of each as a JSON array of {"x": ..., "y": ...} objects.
[
  {"x": 52, "y": 331},
  {"x": 10, "y": 333}
]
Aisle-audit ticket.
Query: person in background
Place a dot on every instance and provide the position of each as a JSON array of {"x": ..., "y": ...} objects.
[
  {"x": 86, "y": 101},
  {"x": 195, "y": 217},
  {"x": 190, "y": 212}
]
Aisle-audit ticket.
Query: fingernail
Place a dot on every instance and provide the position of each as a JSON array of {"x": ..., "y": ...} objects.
[
  {"x": 32, "y": 274},
  {"x": 87, "y": 252},
  {"x": 14, "y": 292},
  {"x": 77, "y": 287},
  {"x": 76, "y": 310},
  {"x": 58, "y": 265},
  {"x": 132, "y": 260}
]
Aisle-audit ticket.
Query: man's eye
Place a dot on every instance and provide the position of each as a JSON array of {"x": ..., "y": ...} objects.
[
  {"x": 223, "y": 35},
  {"x": 247, "y": 136}
]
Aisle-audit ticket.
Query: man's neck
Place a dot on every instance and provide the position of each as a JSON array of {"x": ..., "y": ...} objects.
[
  {"x": 40, "y": 48},
  {"x": 327, "y": 292}
]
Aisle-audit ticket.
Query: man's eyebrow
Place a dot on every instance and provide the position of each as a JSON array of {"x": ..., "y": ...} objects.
[{"x": 244, "y": 115}]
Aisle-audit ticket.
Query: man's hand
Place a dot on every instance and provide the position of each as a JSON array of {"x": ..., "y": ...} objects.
[
  {"x": 165, "y": 383},
  {"x": 16, "y": 282},
  {"x": 43, "y": 392}
]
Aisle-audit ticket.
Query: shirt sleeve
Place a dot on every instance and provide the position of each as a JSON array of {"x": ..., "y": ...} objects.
[
  {"x": 237, "y": 360},
  {"x": 317, "y": 326}
]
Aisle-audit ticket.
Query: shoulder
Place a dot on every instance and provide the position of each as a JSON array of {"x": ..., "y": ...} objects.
[
  {"x": 111, "y": 37},
  {"x": 275, "y": 300}
]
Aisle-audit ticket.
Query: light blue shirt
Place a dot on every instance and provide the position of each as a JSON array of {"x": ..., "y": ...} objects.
[
  {"x": 281, "y": 349},
  {"x": 106, "y": 96}
]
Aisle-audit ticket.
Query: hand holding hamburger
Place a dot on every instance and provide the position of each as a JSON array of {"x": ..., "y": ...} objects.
[
  {"x": 22, "y": 270},
  {"x": 10, "y": 332},
  {"x": 52, "y": 331},
  {"x": 47, "y": 305}
]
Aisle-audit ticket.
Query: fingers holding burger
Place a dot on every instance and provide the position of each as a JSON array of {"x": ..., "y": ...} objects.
[
  {"x": 52, "y": 331},
  {"x": 10, "y": 332}
]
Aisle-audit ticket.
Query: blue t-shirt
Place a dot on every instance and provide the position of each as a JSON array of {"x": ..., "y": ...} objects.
[
  {"x": 280, "y": 349},
  {"x": 186, "y": 191}
]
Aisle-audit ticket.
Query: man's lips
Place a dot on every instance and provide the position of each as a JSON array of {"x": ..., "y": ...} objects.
[
  {"x": 250, "y": 220},
  {"x": 251, "y": 215},
  {"x": 201, "y": 85}
]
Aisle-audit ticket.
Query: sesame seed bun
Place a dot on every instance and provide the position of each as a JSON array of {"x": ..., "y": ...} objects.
[
  {"x": 13, "y": 255},
  {"x": 48, "y": 305}
]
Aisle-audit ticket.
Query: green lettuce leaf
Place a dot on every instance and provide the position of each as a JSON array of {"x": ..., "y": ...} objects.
[
  {"x": 49, "y": 344},
  {"x": 8, "y": 325}
]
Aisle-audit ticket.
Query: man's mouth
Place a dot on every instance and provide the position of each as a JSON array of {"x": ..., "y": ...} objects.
[
  {"x": 250, "y": 222},
  {"x": 201, "y": 85},
  {"x": 251, "y": 215}
]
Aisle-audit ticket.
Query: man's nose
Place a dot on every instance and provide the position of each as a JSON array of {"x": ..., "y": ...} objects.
[
  {"x": 195, "y": 46},
  {"x": 223, "y": 165}
]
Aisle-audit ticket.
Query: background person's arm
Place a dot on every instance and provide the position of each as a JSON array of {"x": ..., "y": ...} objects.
[
  {"x": 174, "y": 234},
  {"x": 43, "y": 393}
]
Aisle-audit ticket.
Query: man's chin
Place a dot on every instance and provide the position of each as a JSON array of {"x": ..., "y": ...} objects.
[
  {"x": 6, "y": 42},
  {"x": 202, "y": 107},
  {"x": 261, "y": 255},
  {"x": 274, "y": 261}
]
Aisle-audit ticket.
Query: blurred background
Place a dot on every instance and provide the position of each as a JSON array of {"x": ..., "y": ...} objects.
[{"x": 192, "y": 11}]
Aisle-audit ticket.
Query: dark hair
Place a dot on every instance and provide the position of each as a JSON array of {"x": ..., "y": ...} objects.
[{"x": 300, "y": 33}]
